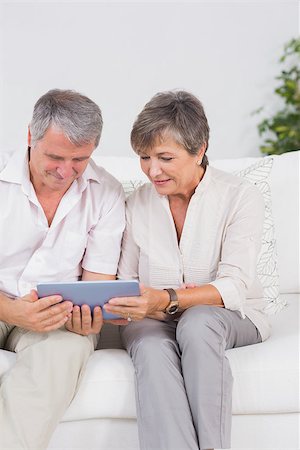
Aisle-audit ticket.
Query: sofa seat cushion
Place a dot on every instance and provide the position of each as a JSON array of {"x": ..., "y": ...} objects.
[{"x": 266, "y": 375}]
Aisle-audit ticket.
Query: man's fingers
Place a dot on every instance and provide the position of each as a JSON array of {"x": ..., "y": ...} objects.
[
  {"x": 55, "y": 314},
  {"x": 76, "y": 319},
  {"x": 31, "y": 297},
  {"x": 56, "y": 324},
  {"x": 97, "y": 319},
  {"x": 69, "y": 323},
  {"x": 86, "y": 319},
  {"x": 47, "y": 302}
]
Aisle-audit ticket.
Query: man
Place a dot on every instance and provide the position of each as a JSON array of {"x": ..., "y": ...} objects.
[{"x": 62, "y": 218}]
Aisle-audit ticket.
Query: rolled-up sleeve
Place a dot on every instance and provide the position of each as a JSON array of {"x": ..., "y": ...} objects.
[
  {"x": 129, "y": 261},
  {"x": 104, "y": 240},
  {"x": 241, "y": 244}
]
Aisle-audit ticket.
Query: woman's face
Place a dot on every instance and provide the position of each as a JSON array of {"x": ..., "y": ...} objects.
[{"x": 171, "y": 169}]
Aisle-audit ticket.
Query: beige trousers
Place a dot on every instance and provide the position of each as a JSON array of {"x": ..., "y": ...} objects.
[{"x": 37, "y": 390}]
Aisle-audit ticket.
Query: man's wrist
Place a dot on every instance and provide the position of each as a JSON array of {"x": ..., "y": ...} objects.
[{"x": 4, "y": 307}]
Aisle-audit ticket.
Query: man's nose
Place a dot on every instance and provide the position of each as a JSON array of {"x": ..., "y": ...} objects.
[{"x": 66, "y": 170}]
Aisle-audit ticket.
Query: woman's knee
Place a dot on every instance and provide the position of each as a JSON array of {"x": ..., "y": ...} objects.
[
  {"x": 150, "y": 342},
  {"x": 200, "y": 323}
]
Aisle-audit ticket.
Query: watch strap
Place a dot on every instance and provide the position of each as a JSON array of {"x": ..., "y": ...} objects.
[{"x": 173, "y": 306}]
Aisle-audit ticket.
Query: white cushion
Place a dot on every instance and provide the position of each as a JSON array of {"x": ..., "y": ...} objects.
[
  {"x": 7, "y": 359},
  {"x": 284, "y": 182},
  {"x": 107, "y": 389},
  {"x": 266, "y": 376}
]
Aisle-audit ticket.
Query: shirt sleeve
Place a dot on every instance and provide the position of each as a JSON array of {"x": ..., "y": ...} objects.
[
  {"x": 129, "y": 261},
  {"x": 240, "y": 249},
  {"x": 104, "y": 241}
]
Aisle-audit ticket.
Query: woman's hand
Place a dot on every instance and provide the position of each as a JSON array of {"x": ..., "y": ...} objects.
[{"x": 150, "y": 303}]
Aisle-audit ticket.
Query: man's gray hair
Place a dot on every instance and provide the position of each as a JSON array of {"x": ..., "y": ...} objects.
[
  {"x": 176, "y": 114},
  {"x": 78, "y": 117}
]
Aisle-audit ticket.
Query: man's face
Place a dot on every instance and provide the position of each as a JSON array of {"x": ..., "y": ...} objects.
[{"x": 55, "y": 162}]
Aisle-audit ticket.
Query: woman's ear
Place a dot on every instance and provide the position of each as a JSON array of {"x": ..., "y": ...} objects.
[{"x": 200, "y": 154}]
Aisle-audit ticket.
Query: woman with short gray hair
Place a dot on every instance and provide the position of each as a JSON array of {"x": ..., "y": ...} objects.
[{"x": 192, "y": 238}]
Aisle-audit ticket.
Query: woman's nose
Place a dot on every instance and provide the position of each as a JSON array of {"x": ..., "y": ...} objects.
[{"x": 154, "y": 169}]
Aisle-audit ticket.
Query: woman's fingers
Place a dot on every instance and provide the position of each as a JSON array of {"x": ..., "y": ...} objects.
[{"x": 125, "y": 301}]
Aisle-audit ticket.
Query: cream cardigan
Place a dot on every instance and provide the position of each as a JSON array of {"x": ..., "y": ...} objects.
[{"x": 219, "y": 244}]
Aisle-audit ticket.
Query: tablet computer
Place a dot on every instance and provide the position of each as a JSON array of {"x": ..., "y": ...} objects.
[{"x": 92, "y": 293}]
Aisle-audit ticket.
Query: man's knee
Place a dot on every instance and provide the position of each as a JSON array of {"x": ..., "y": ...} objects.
[
  {"x": 55, "y": 343},
  {"x": 72, "y": 343}
]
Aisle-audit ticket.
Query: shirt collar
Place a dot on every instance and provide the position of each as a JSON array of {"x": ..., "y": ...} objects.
[
  {"x": 205, "y": 181},
  {"x": 17, "y": 169}
]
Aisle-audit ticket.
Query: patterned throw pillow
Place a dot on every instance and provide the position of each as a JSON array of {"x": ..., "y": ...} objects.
[
  {"x": 130, "y": 186},
  {"x": 258, "y": 174}
]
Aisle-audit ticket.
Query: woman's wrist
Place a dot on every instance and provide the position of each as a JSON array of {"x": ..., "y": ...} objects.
[{"x": 163, "y": 300}]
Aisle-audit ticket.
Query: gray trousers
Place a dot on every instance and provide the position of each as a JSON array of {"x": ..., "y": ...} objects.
[
  {"x": 183, "y": 378},
  {"x": 37, "y": 390}
]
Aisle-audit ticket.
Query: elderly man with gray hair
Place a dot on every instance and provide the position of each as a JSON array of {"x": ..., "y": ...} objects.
[{"x": 62, "y": 218}]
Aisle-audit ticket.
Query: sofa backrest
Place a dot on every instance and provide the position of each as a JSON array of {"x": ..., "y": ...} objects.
[{"x": 284, "y": 183}]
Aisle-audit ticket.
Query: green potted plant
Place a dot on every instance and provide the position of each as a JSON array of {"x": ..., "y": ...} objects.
[{"x": 281, "y": 132}]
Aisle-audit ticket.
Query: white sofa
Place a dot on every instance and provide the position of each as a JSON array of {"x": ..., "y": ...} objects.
[{"x": 266, "y": 409}]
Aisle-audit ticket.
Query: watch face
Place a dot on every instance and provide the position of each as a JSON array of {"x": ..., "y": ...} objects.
[{"x": 173, "y": 309}]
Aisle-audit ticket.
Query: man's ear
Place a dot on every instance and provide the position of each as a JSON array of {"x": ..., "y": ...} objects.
[
  {"x": 201, "y": 151},
  {"x": 29, "y": 137}
]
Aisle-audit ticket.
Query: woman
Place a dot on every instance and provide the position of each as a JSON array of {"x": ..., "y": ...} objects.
[{"x": 192, "y": 239}]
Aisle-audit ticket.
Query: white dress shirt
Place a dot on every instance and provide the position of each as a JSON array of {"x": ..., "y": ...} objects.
[
  {"x": 219, "y": 244},
  {"x": 85, "y": 233}
]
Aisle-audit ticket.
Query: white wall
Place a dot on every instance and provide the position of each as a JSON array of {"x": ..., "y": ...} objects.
[{"x": 120, "y": 54}]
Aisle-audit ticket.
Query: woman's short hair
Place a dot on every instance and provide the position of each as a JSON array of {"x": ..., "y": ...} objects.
[
  {"x": 78, "y": 117},
  {"x": 176, "y": 114}
]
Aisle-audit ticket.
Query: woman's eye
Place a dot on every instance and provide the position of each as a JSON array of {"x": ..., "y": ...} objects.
[
  {"x": 166, "y": 159},
  {"x": 144, "y": 158}
]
